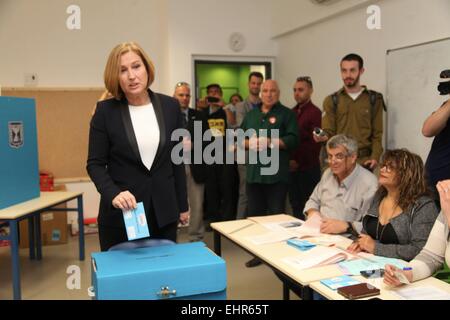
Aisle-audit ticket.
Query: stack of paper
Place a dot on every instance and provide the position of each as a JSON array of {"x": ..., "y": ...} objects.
[
  {"x": 310, "y": 228},
  {"x": 318, "y": 256}
]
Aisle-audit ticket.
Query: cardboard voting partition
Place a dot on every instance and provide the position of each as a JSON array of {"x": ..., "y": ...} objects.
[{"x": 19, "y": 170}]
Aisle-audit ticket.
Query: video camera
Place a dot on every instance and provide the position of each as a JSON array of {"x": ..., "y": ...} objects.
[{"x": 444, "y": 87}]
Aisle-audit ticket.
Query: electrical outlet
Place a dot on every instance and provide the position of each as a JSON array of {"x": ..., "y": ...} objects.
[{"x": 31, "y": 79}]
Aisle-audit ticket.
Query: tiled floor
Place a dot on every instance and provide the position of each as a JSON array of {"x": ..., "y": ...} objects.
[{"x": 46, "y": 279}]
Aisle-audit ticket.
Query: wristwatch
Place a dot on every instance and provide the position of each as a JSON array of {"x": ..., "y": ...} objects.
[{"x": 351, "y": 230}]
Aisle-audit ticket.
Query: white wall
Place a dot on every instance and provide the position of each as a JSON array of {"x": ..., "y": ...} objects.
[
  {"x": 317, "y": 50},
  {"x": 202, "y": 27},
  {"x": 289, "y": 15},
  {"x": 34, "y": 38}
]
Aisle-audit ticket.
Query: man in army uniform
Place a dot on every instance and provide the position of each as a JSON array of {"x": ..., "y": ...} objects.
[{"x": 355, "y": 111}]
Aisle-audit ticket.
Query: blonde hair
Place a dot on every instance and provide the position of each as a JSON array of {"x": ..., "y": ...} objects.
[{"x": 112, "y": 68}]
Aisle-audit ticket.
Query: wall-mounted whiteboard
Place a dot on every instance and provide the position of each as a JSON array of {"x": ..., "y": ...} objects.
[{"x": 412, "y": 95}]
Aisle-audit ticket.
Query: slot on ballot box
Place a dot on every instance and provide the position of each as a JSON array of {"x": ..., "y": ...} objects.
[{"x": 178, "y": 271}]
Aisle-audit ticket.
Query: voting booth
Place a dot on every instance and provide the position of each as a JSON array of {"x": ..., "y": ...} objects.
[
  {"x": 177, "y": 271},
  {"x": 19, "y": 179}
]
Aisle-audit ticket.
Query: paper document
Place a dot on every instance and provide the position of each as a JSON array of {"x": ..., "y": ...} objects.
[
  {"x": 310, "y": 228},
  {"x": 270, "y": 237},
  {"x": 136, "y": 223},
  {"x": 339, "y": 282},
  {"x": 283, "y": 225},
  {"x": 318, "y": 256},
  {"x": 354, "y": 267},
  {"x": 423, "y": 293}
]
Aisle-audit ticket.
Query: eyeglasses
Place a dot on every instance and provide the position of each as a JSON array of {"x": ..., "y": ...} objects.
[
  {"x": 306, "y": 79},
  {"x": 387, "y": 166},
  {"x": 338, "y": 158}
]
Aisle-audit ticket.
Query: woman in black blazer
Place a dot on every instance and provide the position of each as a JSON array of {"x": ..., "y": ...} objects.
[{"x": 130, "y": 146}]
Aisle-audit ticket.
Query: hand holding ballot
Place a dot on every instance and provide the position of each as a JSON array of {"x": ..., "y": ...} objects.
[
  {"x": 395, "y": 277},
  {"x": 125, "y": 201}
]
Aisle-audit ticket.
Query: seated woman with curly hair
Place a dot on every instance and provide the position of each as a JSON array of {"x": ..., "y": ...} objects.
[{"x": 401, "y": 214}]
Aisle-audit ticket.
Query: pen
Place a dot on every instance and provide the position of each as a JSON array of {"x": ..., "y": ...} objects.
[{"x": 407, "y": 269}]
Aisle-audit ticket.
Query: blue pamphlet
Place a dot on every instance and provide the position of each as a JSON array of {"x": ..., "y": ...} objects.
[
  {"x": 339, "y": 282},
  {"x": 136, "y": 223},
  {"x": 301, "y": 244}
]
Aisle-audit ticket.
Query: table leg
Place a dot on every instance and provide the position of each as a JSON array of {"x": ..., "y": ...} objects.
[
  {"x": 31, "y": 235},
  {"x": 285, "y": 291},
  {"x": 13, "y": 225},
  {"x": 81, "y": 226},
  {"x": 217, "y": 243},
  {"x": 37, "y": 221}
]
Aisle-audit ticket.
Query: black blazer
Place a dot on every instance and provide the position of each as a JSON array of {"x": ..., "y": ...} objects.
[
  {"x": 114, "y": 163},
  {"x": 199, "y": 171}
]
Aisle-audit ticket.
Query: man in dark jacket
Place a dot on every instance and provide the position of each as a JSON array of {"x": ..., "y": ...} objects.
[{"x": 195, "y": 172}]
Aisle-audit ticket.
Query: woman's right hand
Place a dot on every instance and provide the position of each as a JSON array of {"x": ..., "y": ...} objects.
[
  {"x": 390, "y": 278},
  {"x": 354, "y": 247},
  {"x": 125, "y": 201}
]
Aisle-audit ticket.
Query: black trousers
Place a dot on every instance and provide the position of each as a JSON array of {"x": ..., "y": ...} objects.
[
  {"x": 301, "y": 185},
  {"x": 221, "y": 192},
  {"x": 266, "y": 199},
  {"x": 111, "y": 235}
]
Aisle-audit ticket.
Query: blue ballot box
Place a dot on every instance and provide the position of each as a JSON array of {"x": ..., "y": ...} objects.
[
  {"x": 178, "y": 271},
  {"x": 19, "y": 170}
]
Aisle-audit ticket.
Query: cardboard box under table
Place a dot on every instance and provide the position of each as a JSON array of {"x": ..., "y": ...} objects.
[{"x": 179, "y": 271}]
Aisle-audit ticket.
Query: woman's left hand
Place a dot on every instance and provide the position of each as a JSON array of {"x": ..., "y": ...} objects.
[
  {"x": 366, "y": 243},
  {"x": 184, "y": 217}
]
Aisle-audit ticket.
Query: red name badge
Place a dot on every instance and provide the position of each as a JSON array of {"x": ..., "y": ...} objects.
[{"x": 272, "y": 120}]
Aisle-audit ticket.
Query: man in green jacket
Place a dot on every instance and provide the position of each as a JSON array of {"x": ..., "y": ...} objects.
[
  {"x": 276, "y": 134},
  {"x": 355, "y": 111}
]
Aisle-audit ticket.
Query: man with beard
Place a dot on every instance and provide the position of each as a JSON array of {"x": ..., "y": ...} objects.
[{"x": 355, "y": 111}]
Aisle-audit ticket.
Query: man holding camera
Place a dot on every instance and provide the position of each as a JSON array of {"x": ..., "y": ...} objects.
[
  {"x": 437, "y": 166},
  {"x": 221, "y": 188},
  {"x": 355, "y": 111}
]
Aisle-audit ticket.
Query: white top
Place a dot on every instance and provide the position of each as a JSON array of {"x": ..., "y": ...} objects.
[
  {"x": 146, "y": 130},
  {"x": 435, "y": 252},
  {"x": 355, "y": 95}
]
